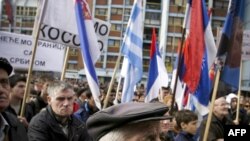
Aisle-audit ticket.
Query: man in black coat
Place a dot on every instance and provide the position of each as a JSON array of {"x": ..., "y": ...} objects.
[
  {"x": 10, "y": 127},
  {"x": 57, "y": 122}
]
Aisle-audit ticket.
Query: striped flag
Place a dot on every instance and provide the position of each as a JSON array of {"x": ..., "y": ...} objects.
[
  {"x": 132, "y": 51},
  {"x": 89, "y": 46},
  {"x": 157, "y": 76},
  {"x": 199, "y": 55}
]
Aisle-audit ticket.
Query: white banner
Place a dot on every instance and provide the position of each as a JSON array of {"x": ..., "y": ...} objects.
[
  {"x": 57, "y": 35},
  {"x": 59, "y": 25},
  {"x": 17, "y": 49},
  {"x": 246, "y": 45}
]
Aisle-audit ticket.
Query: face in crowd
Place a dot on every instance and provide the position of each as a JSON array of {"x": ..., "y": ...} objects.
[
  {"x": 4, "y": 89},
  {"x": 61, "y": 99}
]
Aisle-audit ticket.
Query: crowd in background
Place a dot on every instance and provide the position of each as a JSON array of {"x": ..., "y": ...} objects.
[{"x": 48, "y": 114}]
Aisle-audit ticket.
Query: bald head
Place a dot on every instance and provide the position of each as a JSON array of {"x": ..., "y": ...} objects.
[{"x": 220, "y": 107}]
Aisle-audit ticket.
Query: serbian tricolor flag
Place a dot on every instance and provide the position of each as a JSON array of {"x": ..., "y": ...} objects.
[
  {"x": 157, "y": 76},
  {"x": 230, "y": 46},
  {"x": 199, "y": 54},
  {"x": 89, "y": 46}
]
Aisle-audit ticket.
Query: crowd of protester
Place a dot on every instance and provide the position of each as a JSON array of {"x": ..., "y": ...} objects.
[{"x": 66, "y": 110}]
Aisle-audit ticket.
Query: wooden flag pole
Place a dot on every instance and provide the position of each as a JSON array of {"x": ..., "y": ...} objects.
[
  {"x": 112, "y": 81},
  {"x": 35, "y": 34},
  {"x": 211, "y": 107},
  {"x": 238, "y": 95},
  {"x": 118, "y": 88},
  {"x": 65, "y": 63}
]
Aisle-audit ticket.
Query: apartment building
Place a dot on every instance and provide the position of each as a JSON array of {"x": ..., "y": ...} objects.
[{"x": 117, "y": 12}]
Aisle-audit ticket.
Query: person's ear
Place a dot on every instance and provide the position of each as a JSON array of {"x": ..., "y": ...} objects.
[
  {"x": 49, "y": 99},
  {"x": 183, "y": 125}
]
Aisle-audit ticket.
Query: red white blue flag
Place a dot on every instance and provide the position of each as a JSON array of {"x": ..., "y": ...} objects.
[
  {"x": 89, "y": 46},
  {"x": 157, "y": 76}
]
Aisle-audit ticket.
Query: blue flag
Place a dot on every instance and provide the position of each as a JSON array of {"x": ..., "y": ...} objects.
[
  {"x": 229, "y": 51},
  {"x": 132, "y": 51}
]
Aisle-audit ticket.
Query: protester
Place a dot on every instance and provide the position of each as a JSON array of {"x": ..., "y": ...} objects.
[
  {"x": 216, "y": 130},
  {"x": 39, "y": 102},
  {"x": 56, "y": 122},
  {"x": 80, "y": 96},
  {"x": 162, "y": 93},
  {"x": 232, "y": 99},
  {"x": 87, "y": 108},
  {"x": 10, "y": 127},
  {"x": 186, "y": 121},
  {"x": 128, "y": 122}
]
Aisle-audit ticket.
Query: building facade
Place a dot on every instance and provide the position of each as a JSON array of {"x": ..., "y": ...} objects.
[{"x": 117, "y": 12}]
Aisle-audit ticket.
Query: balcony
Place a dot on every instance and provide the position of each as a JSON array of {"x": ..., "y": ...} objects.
[
  {"x": 102, "y": 17},
  {"x": 113, "y": 49},
  {"x": 116, "y": 17},
  {"x": 110, "y": 65},
  {"x": 115, "y": 33},
  {"x": 117, "y": 2},
  {"x": 98, "y": 64},
  {"x": 101, "y": 2}
]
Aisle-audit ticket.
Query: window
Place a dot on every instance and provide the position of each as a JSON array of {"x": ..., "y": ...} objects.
[
  {"x": 127, "y": 11},
  {"x": 116, "y": 27},
  {"x": 113, "y": 43},
  {"x": 101, "y": 11},
  {"x": 112, "y": 58},
  {"x": 116, "y": 11},
  {"x": 128, "y": 2},
  {"x": 152, "y": 18}
]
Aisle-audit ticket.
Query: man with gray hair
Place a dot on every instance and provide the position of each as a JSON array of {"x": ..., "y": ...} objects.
[{"x": 56, "y": 122}]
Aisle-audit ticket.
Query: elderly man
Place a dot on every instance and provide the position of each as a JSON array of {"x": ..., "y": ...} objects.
[
  {"x": 128, "y": 122},
  {"x": 10, "y": 127},
  {"x": 219, "y": 119},
  {"x": 56, "y": 121}
]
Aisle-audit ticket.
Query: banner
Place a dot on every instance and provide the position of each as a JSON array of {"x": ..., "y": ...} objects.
[
  {"x": 17, "y": 49},
  {"x": 59, "y": 25},
  {"x": 57, "y": 35}
]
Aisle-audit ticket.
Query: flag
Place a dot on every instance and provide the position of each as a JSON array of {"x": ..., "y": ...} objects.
[
  {"x": 157, "y": 76},
  {"x": 9, "y": 11},
  {"x": 89, "y": 46},
  {"x": 132, "y": 51},
  {"x": 229, "y": 51},
  {"x": 198, "y": 57}
]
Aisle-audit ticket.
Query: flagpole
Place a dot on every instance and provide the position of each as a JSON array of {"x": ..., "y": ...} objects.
[
  {"x": 179, "y": 60},
  {"x": 118, "y": 88},
  {"x": 65, "y": 63},
  {"x": 211, "y": 107},
  {"x": 239, "y": 93},
  {"x": 112, "y": 81},
  {"x": 35, "y": 34}
]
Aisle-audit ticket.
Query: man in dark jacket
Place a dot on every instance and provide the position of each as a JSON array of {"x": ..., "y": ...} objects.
[
  {"x": 10, "y": 127},
  {"x": 57, "y": 122},
  {"x": 219, "y": 120}
]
